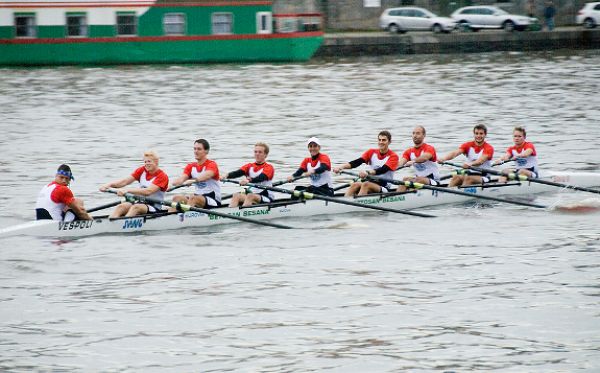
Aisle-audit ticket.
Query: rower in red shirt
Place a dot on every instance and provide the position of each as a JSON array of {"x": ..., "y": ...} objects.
[
  {"x": 318, "y": 167},
  {"x": 479, "y": 154},
  {"x": 204, "y": 175},
  {"x": 382, "y": 162},
  {"x": 524, "y": 154},
  {"x": 423, "y": 158},
  {"x": 259, "y": 172},
  {"x": 153, "y": 183},
  {"x": 56, "y": 201}
]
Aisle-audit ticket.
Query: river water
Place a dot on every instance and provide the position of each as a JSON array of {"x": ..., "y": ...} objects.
[{"x": 480, "y": 288}]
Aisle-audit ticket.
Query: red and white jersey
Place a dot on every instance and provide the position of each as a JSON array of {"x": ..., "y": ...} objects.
[
  {"x": 158, "y": 178},
  {"x": 375, "y": 160},
  {"x": 309, "y": 164},
  {"x": 473, "y": 152},
  {"x": 426, "y": 168},
  {"x": 54, "y": 198},
  {"x": 193, "y": 170},
  {"x": 253, "y": 170},
  {"x": 526, "y": 162}
]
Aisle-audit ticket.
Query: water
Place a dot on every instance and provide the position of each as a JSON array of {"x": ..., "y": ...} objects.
[{"x": 480, "y": 288}]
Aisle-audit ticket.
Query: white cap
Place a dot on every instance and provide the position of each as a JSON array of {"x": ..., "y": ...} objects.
[{"x": 313, "y": 139}]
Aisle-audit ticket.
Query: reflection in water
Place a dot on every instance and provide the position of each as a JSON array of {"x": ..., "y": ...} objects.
[{"x": 482, "y": 287}]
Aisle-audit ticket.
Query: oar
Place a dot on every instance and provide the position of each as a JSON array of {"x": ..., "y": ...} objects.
[
  {"x": 414, "y": 185},
  {"x": 306, "y": 195},
  {"x": 277, "y": 183},
  {"x": 185, "y": 207},
  {"x": 516, "y": 176},
  {"x": 102, "y": 207}
]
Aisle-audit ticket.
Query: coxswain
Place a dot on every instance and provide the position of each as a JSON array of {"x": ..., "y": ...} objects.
[
  {"x": 382, "y": 162},
  {"x": 204, "y": 175},
  {"x": 56, "y": 201},
  {"x": 422, "y": 158},
  {"x": 317, "y": 167},
  {"x": 524, "y": 155},
  {"x": 479, "y": 153},
  {"x": 153, "y": 183},
  {"x": 259, "y": 172}
]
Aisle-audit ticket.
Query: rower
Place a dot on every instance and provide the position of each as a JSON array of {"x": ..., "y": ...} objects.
[
  {"x": 56, "y": 201},
  {"x": 153, "y": 183},
  {"x": 381, "y": 161},
  {"x": 204, "y": 174},
  {"x": 259, "y": 172},
  {"x": 423, "y": 158},
  {"x": 317, "y": 167},
  {"x": 479, "y": 154},
  {"x": 523, "y": 152}
]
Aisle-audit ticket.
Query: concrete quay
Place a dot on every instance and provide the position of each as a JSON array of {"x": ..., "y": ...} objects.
[{"x": 383, "y": 43}]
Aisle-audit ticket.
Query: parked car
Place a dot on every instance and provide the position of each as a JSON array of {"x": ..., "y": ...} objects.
[
  {"x": 400, "y": 20},
  {"x": 478, "y": 17},
  {"x": 589, "y": 15}
]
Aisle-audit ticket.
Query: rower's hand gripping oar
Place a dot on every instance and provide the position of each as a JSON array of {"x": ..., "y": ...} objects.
[
  {"x": 413, "y": 185},
  {"x": 184, "y": 207},
  {"x": 306, "y": 195},
  {"x": 518, "y": 177}
]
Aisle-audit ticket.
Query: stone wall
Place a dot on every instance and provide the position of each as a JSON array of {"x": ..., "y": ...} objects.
[{"x": 352, "y": 15}]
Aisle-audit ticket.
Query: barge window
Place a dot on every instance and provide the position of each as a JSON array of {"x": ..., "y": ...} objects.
[
  {"x": 174, "y": 24},
  {"x": 264, "y": 22},
  {"x": 126, "y": 24},
  {"x": 222, "y": 23},
  {"x": 25, "y": 26},
  {"x": 77, "y": 24}
]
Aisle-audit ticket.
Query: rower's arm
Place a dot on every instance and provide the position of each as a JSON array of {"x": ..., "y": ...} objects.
[
  {"x": 79, "y": 211},
  {"x": 118, "y": 184},
  {"x": 423, "y": 158},
  {"x": 526, "y": 153},
  {"x": 453, "y": 154},
  {"x": 181, "y": 179},
  {"x": 298, "y": 172},
  {"x": 479, "y": 161},
  {"x": 153, "y": 188},
  {"x": 235, "y": 174}
]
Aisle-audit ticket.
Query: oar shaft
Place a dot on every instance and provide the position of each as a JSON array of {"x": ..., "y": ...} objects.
[
  {"x": 410, "y": 184},
  {"x": 516, "y": 176},
  {"x": 102, "y": 207},
  {"x": 306, "y": 195},
  {"x": 185, "y": 207}
]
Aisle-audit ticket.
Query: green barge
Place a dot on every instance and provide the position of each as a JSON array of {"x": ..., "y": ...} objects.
[{"x": 106, "y": 32}]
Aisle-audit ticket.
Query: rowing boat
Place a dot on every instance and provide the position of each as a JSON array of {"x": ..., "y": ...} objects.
[{"x": 289, "y": 208}]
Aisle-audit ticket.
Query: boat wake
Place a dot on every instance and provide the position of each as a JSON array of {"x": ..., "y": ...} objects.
[{"x": 587, "y": 205}]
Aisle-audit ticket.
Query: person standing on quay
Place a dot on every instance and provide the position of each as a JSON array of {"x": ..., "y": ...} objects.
[{"x": 549, "y": 13}]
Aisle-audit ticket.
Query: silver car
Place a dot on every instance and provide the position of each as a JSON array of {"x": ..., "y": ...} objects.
[
  {"x": 400, "y": 20},
  {"x": 479, "y": 17}
]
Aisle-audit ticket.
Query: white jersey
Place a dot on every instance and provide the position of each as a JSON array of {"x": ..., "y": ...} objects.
[{"x": 45, "y": 201}]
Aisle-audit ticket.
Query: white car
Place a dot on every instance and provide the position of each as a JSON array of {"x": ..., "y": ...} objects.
[
  {"x": 400, "y": 20},
  {"x": 589, "y": 15},
  {"x": 478, "y": 17}
]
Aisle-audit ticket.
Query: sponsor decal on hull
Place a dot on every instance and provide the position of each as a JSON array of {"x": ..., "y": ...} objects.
[
  {"x": 133, "y": 223},
  {"x": 77, "y": 224}
]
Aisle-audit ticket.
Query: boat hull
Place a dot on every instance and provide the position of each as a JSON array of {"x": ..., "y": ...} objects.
[
  {"x": 161, "y": 50},
  {"x": 418, "y": 199}
]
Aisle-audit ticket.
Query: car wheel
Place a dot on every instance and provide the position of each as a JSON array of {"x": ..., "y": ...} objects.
[
  {"x": 437, "y": 28},
  {"x": 589, "y": 23},
  {"x": 464, "y": 26},
  {"x": 393, "y": 28},
  {"x": 509, "y": 26}
]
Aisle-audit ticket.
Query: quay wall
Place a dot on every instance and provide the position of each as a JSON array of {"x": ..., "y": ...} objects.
[{"x": 380, "y": 43}]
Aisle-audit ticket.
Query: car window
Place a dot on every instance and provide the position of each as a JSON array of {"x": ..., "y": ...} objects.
[
  {"x": 394, "y": 12},
  {"x": 597, "y": 7},
  {"x": 501, "y": 12},
  {"x": 487, "y": 12},
  {"x": 402, "y": 13},
  {"x": 418, "y": 13}
]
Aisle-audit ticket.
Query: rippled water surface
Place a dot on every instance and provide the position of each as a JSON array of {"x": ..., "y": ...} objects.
[{"x": 480, "y": 288}]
